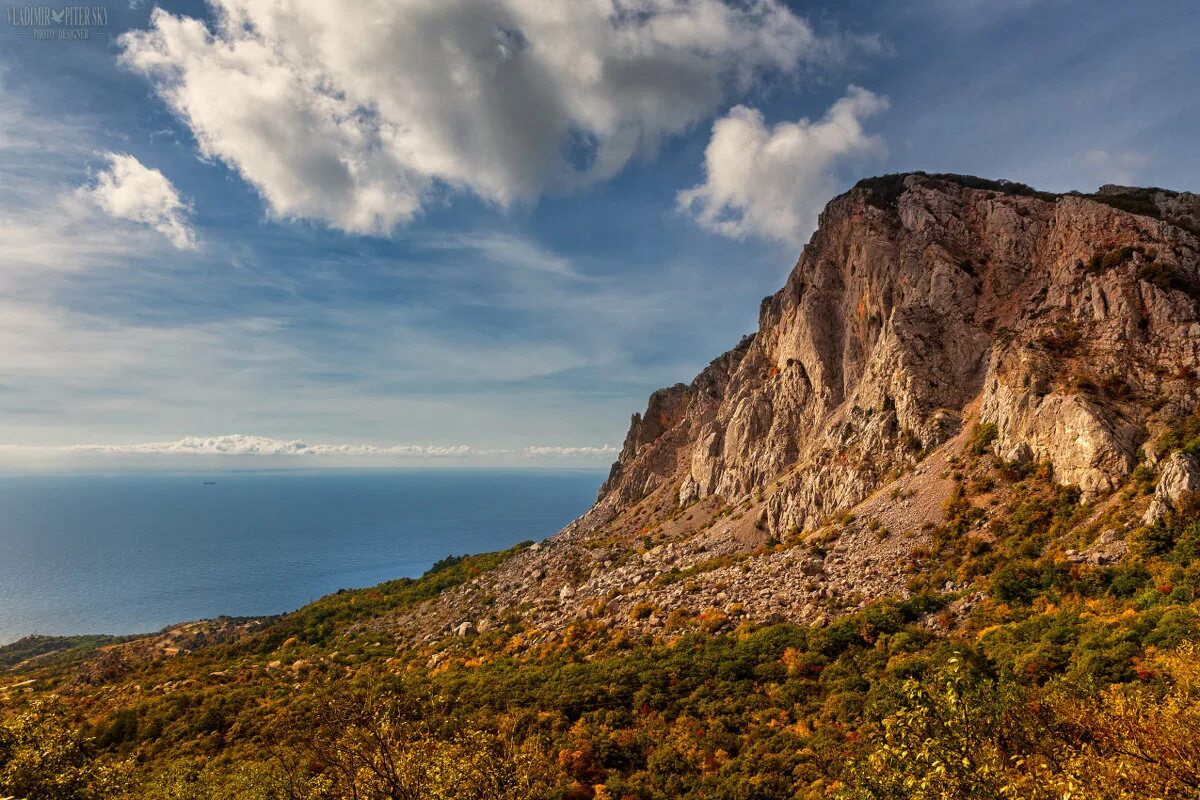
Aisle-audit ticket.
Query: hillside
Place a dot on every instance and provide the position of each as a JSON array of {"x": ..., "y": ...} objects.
[{"x": 933, "y": 530}]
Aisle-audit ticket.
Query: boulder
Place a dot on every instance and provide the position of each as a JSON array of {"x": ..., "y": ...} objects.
[{"x": 1180, "y": 474}]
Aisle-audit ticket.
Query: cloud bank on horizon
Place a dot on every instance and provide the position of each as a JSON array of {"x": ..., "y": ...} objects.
[{"x": 249, "y": 445}]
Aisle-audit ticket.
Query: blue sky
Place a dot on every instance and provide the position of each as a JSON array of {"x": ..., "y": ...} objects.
[{"x": 482, "y": 232}]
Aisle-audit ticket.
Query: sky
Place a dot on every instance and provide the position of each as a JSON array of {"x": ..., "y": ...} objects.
[{"x": 296, "y": 232}]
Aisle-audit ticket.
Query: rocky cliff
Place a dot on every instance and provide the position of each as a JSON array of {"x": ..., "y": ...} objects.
[
  {"x": 926, "y": 313},
  {"x": 918, "y": 297}
]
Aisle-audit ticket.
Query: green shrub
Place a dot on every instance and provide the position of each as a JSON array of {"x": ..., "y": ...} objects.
[
  {"x": 1127, "y": 579},
  {"x": 982, "y": 436},
  {"x": 44, "y": 755},
  {"x": 1016, "y": 583},
  {"x": 1061, "y": 340},
  {"x": 1165, "y": 277}
]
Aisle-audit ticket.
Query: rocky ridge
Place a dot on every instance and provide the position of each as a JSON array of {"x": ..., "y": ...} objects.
[{"x": 926, "y": 311}]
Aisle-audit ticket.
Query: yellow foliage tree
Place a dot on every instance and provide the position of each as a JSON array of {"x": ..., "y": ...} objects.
[{"x": 43, "y": 755}]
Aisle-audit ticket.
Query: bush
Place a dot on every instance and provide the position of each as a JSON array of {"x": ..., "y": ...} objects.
[
  {"x": 1062, "y": 340},
  {"x": 1165, "y": 277},
  {"x": 641, "y": 611},
  {"x": 982, "y": 436},
  {"x": 1127, "y": 579},
  {"x": 44, "y": 755},
  {"x": 1152, "y": 540},
  {"x": 1111, "y": 259},
  {"x": 1017, "y": 583}
]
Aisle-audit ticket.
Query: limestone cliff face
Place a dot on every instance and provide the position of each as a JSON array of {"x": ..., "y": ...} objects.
[
  {"x": 921, "y": 300},
  {"x": 801, "y": 473}
]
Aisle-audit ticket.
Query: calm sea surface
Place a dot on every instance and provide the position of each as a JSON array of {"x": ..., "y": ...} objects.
[{"x": 133, "y": 553}]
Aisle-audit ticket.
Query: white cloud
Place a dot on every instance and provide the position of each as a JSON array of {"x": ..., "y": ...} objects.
[
  {"x": 972, "y": 15},
  {"x": 506, "y": 250},
  {"x": 603, "y": 450},
  {"x": 357, "y": 114},
  {"x": 130, "y": 190},
  {"x": 248, "y": 445},
  {"x": 43, "y": 233},
  {"x": 243, "y": 445},
  {"x": 47, "y": 229},
  {"x": 1106, "y": 166},
  {"x": 773, "y": 181}
]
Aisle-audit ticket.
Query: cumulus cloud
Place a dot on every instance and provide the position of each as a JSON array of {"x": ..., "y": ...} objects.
[
  {"x": 130, "y": 190},
  {"x": 357, "y": 114},
  {"x": 772, "y": 181},
  {"x": 249, "y": 445},
  {"x": 44, "y": 150}
]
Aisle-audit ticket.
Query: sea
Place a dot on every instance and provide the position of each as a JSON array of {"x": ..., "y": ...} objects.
[{"x": 132, "y": 553}]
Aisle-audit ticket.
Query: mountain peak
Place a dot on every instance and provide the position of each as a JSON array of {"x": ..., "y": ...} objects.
[
  {"x": 884, "y": 189},
  {"x": 1178, "y": 208}
]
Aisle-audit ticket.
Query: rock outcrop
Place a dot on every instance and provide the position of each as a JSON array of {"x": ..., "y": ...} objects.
[
  {"x": 1180, "y": 476},
  {"x": 917, "y": 297}
]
